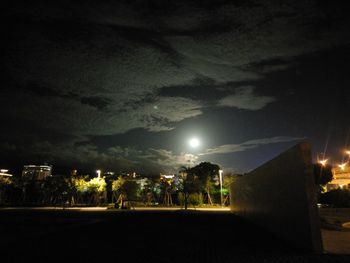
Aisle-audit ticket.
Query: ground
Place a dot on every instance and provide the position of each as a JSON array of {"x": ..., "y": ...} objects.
[
  {"x": 336, "y": 238},
  {"x": 141, "y": 236}
]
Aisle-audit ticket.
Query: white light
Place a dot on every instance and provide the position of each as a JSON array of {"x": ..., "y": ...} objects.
[
  {"x": 170, "y": 176},
  {"x": 98, "y": 173},
  {"x": 323, "y": 162},
  {"x": 342, "y": 166},
  {"x": 194, "y": 142},
  {"x": 220, "y": 177}
]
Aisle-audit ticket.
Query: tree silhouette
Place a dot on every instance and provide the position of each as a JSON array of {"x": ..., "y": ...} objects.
[
  {"x": 323, "y": 174},
  {"x": 206, "y": 172},
  {"x": 198, "y": 179}
]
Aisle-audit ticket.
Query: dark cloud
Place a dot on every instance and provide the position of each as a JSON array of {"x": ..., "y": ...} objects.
[
  {"x": 249, "y": 145},
  {"x": 88, "y": 69},
  {"x": 99, "y": 103},
  {"x": 245, "y": 99}
]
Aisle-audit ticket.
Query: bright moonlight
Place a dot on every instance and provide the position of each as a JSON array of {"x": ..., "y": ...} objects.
[{"x": 194, "y": 142}]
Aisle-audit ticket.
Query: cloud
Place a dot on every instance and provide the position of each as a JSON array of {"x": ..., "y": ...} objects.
[
  {"x": 264, "y": 31},
  {"x": 81, "y": 119},
  {"x": 249, "y": 145},
  {"x": 245, "y": 99},
  {"x": 98, "y": 68},
  {"x": 87, "y": 156},
  {"x": 113, "y": 158},
  {"x": 168, "y": 160}
]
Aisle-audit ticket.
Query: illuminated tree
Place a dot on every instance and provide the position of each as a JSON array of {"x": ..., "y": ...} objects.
[
  {"x": 228, "y": 180},
  {"x": 116, "y": 187},
  {"x": 97, "y": 188},
  {"x": 168, "y": 187},
  {"x": 150, "y": 190},
  {"x": 81, "y": 188},
  {"x": 125, "y": 190},
  {"x": 5, "y": 183}
]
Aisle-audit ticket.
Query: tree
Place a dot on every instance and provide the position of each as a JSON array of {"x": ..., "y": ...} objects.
[
  {"x": 148, "y": 191},
  {"x": 168, "y": 187},
  {"x": 323, "y": 175},
  {"x": 97, "y": 187},
  {"x": 56, "y": 190},
  {"x": 336, "y": 198},
  {"x": 125, "y": 190},
  {"x": 5, "y": 183},
  {"x": 228, "y": 180},
  {"x": 195, "y": 179},
  {"x": 206, "y": 172},
  {"x": 81, "y": 188}
]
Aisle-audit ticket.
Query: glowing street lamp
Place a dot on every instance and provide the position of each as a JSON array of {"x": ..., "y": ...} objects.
[
  {"x": 220, "y": 177},
  {"x": 323, "y": 162},
  {"x": 342, "y": 166},
  {"x": 98, "y": 173}
]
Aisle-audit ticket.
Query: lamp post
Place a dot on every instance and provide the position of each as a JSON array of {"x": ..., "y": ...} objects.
[
  {"x": 348, "y": 153},
  {"x": 220, "y": 177}
]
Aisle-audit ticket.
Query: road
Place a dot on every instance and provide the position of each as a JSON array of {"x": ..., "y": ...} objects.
[{"x": 141, "y": 236}]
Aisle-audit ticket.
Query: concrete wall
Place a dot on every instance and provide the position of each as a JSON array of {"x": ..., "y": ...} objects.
[{"x": 280, "y": 196}]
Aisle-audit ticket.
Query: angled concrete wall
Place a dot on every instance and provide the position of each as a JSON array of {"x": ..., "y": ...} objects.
[{"x": 280, "y": 196}]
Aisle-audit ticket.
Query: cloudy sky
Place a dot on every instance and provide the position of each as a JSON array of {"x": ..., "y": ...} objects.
[{"x": 123, "y": 85}]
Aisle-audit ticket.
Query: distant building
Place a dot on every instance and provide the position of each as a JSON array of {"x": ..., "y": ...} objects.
[
  {"x": 37, "y": 172},
  {"x": 167, "y": 176},
  {"x": 341, "y": 178},
  {"x": 4, "y": 172}
]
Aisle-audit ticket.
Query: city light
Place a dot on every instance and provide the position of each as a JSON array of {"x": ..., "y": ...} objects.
[
  {"x": 98, "y": 173},
  {"x": 3, "y": 172}
]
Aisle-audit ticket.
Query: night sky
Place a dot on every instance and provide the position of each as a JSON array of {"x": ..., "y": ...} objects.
[{"x": 123, "y": 85}]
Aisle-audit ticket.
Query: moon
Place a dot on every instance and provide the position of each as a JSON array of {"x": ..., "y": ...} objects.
[{"x": 194, "y": 142}]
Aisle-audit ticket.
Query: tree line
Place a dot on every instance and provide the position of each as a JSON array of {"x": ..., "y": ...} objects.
[{"x": 191, "y": 186}]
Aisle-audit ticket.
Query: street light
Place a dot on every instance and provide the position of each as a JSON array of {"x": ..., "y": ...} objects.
[
  {"x": 323, "y": 162},
  {"x": 220, "y": 177},
  {"x": 348, "y": 153},
  {"x": 342, "y": 166},
  {"x": 98, "y": 173}
]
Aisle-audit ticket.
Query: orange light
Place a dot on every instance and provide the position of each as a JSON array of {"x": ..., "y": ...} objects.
[
  {"x": 323, "y": 162},
  {"x": 342, "y": 166}
]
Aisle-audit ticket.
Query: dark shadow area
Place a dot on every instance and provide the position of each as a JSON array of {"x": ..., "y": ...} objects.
[{"x": 138, "y": 236}]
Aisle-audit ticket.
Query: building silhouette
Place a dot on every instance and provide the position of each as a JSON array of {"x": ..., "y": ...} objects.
[{"x": 36, "y": 172}]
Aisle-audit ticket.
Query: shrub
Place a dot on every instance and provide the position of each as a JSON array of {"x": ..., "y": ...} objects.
[{"x": 336, "y": 198}]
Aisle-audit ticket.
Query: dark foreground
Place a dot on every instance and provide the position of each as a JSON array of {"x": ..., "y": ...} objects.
[{"x": 141, "y": 236}]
